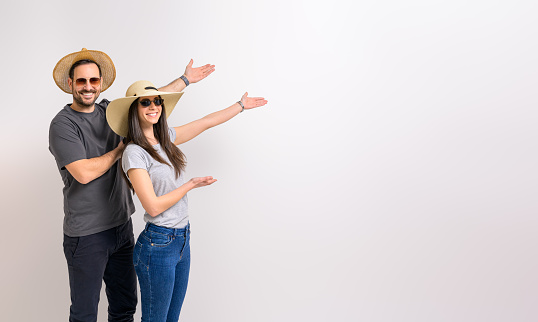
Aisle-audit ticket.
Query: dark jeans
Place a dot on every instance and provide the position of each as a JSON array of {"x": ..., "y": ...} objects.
[{"x": 107, "y": 256}]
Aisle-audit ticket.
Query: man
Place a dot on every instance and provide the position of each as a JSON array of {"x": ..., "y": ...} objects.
[{"x": 98, "y": 233}]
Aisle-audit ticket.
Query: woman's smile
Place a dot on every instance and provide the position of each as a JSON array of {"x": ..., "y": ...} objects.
[{"x": 149, "y": 115}]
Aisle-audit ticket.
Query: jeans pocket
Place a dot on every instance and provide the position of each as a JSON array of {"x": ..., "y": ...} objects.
[
  {"x": 70, "y": 247},
  {"x": 141, "y": 254},
  {"x": 158, "y": 239},
  {"x": 136, "y": 253}
]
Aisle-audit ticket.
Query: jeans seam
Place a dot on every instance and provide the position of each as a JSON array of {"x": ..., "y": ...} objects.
[
  {"x": 150, "y": 295},
  {"x": 183, "y": 247}
]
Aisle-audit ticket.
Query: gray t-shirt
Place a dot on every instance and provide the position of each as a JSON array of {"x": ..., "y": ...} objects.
[
  {"x": 163, "y": 178},
  {"x": 103, "y": 203}
]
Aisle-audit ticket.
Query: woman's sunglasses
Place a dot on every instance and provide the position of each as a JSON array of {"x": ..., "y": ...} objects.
[{"x": 146, "y": 102}]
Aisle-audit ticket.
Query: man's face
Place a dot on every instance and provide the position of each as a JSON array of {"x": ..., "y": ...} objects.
[{"x": 86, "y": 85}]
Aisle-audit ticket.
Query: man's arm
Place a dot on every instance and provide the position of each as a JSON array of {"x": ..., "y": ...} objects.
[
  {"x": 193, "y": 75},
  {"x": 87, "y": 170}
]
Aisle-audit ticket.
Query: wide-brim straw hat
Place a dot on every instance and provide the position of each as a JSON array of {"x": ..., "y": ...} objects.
[
  {"x": 61, "y": 70},
  {"x": 117, "y": 111}
]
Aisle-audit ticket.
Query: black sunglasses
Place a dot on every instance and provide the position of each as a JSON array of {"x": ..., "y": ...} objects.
[
  {"x": 146, "y": 102},
  {"x": 94, "y": 81}
]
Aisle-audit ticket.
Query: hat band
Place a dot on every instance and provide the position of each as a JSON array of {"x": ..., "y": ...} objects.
[{"x": 147, "y": 88}]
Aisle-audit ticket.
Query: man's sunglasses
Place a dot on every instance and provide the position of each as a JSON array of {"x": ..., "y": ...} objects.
[
  {"x": 94, "y": 81},
  {"x": 146, "y": 102}
]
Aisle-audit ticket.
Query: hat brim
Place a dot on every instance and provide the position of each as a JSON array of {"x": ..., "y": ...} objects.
[
  {"x": 117, "y": 111},
  {"x": 61, "y": 70}
]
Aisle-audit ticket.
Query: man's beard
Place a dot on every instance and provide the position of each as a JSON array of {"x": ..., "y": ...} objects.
[{"x": 77, "y": 96}]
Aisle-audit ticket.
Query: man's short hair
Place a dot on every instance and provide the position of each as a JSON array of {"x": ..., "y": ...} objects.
[{"x": 82, "y": 62}]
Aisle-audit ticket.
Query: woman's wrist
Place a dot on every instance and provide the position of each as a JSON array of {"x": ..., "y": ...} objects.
[
  {"x": 189, "y": 185},
  {"x": 242, "y": 106}
]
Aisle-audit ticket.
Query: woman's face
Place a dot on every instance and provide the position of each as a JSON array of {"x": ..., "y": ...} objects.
[{"x": 149, "y": 115}]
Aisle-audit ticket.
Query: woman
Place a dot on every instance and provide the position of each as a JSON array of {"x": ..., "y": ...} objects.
[{"x": 154, "y": 167}]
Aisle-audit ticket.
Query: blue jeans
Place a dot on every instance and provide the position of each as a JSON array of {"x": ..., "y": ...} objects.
[{"x": 162, "y": 260}]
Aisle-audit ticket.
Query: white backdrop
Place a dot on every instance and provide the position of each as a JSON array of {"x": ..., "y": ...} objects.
[{"x": 391, "y": 177}]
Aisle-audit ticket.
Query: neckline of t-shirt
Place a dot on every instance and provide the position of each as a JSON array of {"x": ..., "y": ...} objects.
[{"x": 68, "y": 106}]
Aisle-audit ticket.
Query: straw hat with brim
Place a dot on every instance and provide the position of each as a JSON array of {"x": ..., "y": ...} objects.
[
  {"x": 61, "y": 70},
  {"x": 118, "y": 110}
]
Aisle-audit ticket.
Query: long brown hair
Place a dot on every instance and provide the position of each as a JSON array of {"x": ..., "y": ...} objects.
[{"x": 160, "y": 130}]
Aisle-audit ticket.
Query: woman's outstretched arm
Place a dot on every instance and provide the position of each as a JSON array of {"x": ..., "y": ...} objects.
[
  {"x": 156, "y": 205},
  {"x": 191, "y": 130}
]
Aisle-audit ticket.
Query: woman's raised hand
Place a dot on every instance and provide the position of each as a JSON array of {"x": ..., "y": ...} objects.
[{"x": 252, "y": 102}]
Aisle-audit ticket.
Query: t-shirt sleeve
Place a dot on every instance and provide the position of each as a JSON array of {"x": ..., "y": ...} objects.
[
  {"x": 172, "y": 133},
  {"x": 104, "y": 102},
  {"x": 65, "y": 143},
  {"x": 133, "y": 158}
]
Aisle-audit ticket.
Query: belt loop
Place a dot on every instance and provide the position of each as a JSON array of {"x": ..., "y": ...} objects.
[{"x": 147, "y": 226}]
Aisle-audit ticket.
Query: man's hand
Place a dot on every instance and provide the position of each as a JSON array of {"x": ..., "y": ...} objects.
[
  {"x": 195, "y": 75},
  {"x": 120, "y": 148}
]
